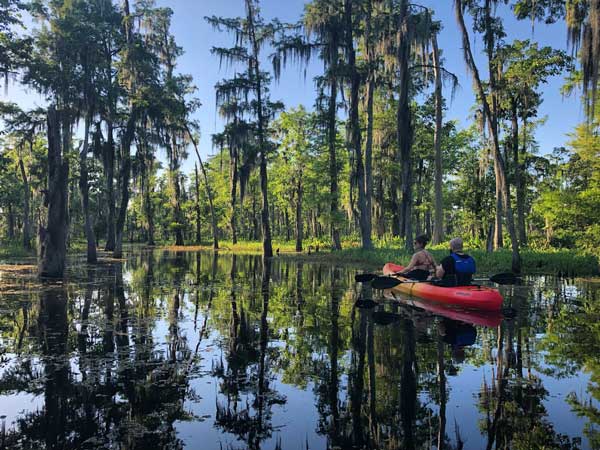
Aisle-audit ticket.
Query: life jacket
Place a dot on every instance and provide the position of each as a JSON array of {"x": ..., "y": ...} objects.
[{"x": 465, "y": 268}]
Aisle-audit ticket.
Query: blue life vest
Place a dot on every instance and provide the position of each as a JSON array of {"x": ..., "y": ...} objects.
[{"x": 464, "y": 265}]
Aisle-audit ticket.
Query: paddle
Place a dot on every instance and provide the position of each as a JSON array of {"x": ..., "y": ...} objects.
[
  {"x": 366, "y": 277},
  {"x": 501, "y": 278},
  {"x": 390, "y": 282}
]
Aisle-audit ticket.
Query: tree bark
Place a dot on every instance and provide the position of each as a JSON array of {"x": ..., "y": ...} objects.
[
  {"x": 499, "y": 161},
  {"x": 498, "y": 237},
  {"x": 286, "y": 220},
  {"x": 109, "y": 172},
  {"x": 176, "y": 200},
  {"x": 85, "y": 197},
  {"x": 233, "y": 174},
  {"x": 519, "y": 164},
  {"x": 213, "y": 217},
  {"x": 26, "y": 208},
  {"x": 53, "y": 238},
  {"x": 438, "y": 228},
  {"x": 11, "y": 222},
  {"x": 355, "y": 144},
  {"x": 148, "y": 208},
  {"x": 370, "y": 95},
  {"x": 331, "y": 140},
  {"x": 125, "y": 173},
  {"x": 404, "y": 128},
  {"x": 299, "y": 225},
  {"x": 197, "y": 207},
  {"x": 262, "y": 125}
]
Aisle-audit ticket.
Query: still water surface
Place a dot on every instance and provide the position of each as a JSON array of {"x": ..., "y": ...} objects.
[{"x": 193, "y": 350}]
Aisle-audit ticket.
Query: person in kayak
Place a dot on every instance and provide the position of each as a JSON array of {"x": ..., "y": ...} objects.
[
  {"x": 458, "y": 268},
  {"x": 422, "y": 264}
]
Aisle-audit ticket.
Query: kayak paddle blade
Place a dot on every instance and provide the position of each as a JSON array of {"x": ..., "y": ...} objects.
[
  {"x": 504, "y": 278},
  {"x": 385, "y": 283},
  {"x": 364, "y": 277},
  {"x": 385, "y": 318},
  {"x": 365, "y": 303}
]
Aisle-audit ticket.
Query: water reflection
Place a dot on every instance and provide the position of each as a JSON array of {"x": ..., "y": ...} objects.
[{"x": 196, "y": 350}]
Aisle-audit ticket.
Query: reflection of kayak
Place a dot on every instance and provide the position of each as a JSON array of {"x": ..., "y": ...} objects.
[
  {"x": 471, "y": 297},
  {"x": 489, "y": 319}
]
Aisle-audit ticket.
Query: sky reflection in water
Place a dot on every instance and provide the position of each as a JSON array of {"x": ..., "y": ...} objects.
[{"x": 193, "y": 350}]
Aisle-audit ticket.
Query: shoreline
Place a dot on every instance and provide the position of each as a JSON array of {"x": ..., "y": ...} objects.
[{"x": 566, "y": 263}]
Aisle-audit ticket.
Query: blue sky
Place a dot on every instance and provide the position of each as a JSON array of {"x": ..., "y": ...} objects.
[{"x": 197, "y": 37}]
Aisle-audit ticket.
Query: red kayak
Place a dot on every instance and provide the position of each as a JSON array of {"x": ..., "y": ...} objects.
[
  {"x": 470, "y": 297},
  {"x": 490, "y": 319}
]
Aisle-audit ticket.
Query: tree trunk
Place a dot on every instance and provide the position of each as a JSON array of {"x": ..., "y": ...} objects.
[
  {"x": 498, "y": 237},
  {"x": 419, "y": 200},
  {"x": 354, "y": 136},
  {"x": 331, "y": 138},
  {"x": 370, "y": 95},
  {"x": 213, "y": 217},
  {"x": 197, "y": 207},
  {"x": 254, "y": 218},
  {"x": 85, "y": 197},
  {"x": 438, "y": 228},
  {"x": 53, "y": 238},
  {"x": 520, "y": 178},
  {"x": 299, "y": 227},
  {"x": 262, "y": 126},
  {"x": 404, "y": 128},
  {"x": 148, "y": 208},
  {"x": 499, "y": 161},
  {"x": 176, "y": 200},
  {"x": 109, "y": 172},
  {"x": 233, "y": 174},
  {"x": 11, "y": 222},
  {"x": 26, "y": 212},
  {"x": 125, "y": 173},
  {"x": 286, "y": 220}
]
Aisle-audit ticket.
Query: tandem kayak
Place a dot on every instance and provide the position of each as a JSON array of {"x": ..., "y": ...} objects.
[
  {"x": 489, "y": 319},
  {"x": 470, "y": 297}
]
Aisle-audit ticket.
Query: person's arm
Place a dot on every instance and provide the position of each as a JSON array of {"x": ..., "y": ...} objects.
[
  {"x": 439, "y": 271},
  {"x": 413, "y": 262},
  {"x": 444, "y": 267}
]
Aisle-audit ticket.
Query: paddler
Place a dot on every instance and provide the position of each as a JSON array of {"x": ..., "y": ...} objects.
[
  {"x": 458, "y": 268},
  {"x": 422, "y": 264}
]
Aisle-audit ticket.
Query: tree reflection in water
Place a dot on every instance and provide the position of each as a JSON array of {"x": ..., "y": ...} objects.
[{"x": 121, "y": 354}]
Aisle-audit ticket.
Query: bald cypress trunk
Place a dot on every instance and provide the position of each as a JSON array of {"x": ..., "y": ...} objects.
[
  {"x": 498, "y": 159},
  {"x": 109, "y": 174},
  {"x": 233, "y": 176},
  {"x": 354, "y": 136},
  {"x": 53, "y": 238},
  {"x": 299, "y": 224},
  {"x": 404, "y": 126},
  {"x": 197, "y": 207},
  {"x": 26, "y": 207},
  {"x": 85, "y": 197},
  {"x": 438, "y": 227}
]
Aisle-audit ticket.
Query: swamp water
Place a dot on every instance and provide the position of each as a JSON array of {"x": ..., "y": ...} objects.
[{"x": 193, "y": 350}]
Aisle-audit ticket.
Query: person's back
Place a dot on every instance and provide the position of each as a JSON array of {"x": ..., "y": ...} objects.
[
  {"x": 458, "y": 268},
  {"x": 422, "y": 263}
]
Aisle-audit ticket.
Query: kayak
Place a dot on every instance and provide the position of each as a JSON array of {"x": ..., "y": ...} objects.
[
  {"x": 489, "y": 319},
  {"x": 469, "y": 297}
]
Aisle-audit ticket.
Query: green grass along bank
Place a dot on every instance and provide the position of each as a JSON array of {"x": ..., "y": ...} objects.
[
  {"x": 541, "y": 262},
  {"x": 546, "y": 262}
]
